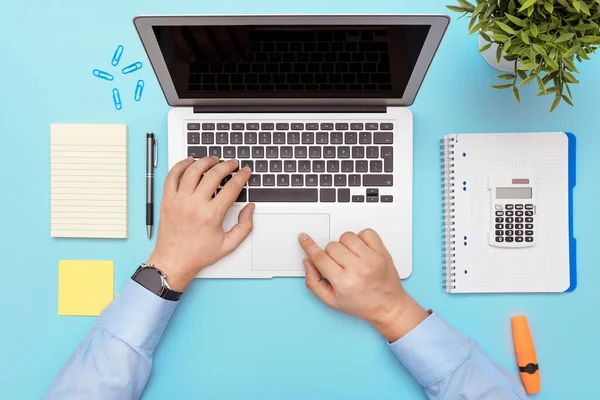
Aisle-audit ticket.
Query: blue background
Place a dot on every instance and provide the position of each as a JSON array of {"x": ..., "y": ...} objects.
[{"x": 262, "y": 339}]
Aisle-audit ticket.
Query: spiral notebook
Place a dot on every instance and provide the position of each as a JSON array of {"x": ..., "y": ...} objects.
[{"x": 508, "y": 212}]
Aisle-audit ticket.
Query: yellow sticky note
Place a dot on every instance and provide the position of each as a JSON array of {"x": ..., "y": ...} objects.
[{"x": 84, "y": 287}]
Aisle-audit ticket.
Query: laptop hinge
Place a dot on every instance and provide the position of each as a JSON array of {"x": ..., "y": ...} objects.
[{"x": 288, "y": 109}]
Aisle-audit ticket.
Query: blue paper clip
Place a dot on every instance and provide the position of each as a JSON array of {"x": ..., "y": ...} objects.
[
  {"x": 139, "y": 89},
  {"x": 117, "y": 56},
  {"x": 117, "y": 99},
  {"x": 132, "y": 68},
  {"x": 103, "y": 75}
]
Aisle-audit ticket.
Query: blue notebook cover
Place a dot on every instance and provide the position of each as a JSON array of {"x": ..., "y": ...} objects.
[{"x": 572, "y": 183}]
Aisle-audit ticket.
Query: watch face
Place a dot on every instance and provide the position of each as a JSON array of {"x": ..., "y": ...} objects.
[{"x": 150, "y": 279}]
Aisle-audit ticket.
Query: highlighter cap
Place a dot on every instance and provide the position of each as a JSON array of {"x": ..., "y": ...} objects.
[{"x": 525, "y": 352}]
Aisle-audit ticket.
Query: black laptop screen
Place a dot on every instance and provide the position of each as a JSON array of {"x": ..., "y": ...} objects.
[{"x": 291, "y": 61}]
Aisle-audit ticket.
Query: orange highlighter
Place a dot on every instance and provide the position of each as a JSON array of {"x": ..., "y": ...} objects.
[{"x": 526, "y": 358}]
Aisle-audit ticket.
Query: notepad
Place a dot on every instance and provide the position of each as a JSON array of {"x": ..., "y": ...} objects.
[
  {"x": 84, "y": 287},
  {"x": 88, "y": 181}
]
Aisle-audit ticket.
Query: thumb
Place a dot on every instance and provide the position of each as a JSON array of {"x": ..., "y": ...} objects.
[
  {"x": 241, "y": 230},
  {"x": 319, "y": 286}
]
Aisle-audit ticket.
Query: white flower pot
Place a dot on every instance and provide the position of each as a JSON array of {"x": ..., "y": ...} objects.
[{"x": 490, "y": 57}]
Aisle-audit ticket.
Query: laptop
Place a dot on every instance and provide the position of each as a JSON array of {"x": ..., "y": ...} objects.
[{"x": 316, "y": 106}]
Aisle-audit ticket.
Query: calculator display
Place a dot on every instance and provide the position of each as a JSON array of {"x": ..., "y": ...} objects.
[{"x": 514, "y": 193}]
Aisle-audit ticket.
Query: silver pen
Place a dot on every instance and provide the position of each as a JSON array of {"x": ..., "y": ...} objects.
[{"x": 151, "y": 160}]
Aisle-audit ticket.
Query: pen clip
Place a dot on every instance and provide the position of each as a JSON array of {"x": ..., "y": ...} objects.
[{"x": 155, "y": 143}]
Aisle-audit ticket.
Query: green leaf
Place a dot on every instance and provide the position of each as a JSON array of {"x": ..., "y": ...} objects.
[
  {"x": 549, "y": 7},
  {"x": 484, "y": 48},
  {"x": 508, "y": 77},
  {"x": 567, "y": 100},
  {"x": 466, "y": 5},
  {"x": 478, "y": 9},
  {"x": 584, "y": 7},
  {"x": 534, "y": 30},
  {"x": 576, "y": 5},
  {"x": 583, "y": 27},
  {"x": 522, "y": 74},
  {"x": 530, "y": 11},
  {"x": 555, "y": 103},
  {"x": 505, "y": 28},
  {"x": 498, "y": 54},
  {"x": 582, "y": 54},
  {"x": 489, "y": 11},
  {"x": 590, "y": 39},
  {"x": 500, "y": 38},
  {"x": 564, "y": 37},
  {"x": 516, "y": 94},
  {"x": 539, "y": 49},
  {"x": 570, "y": 65},
  {"x": 525, "y": 36},
  {"x": 504, "y": 86},
  {"x": 570, "y": 53},
  {"x": 477, "y": 27},
  {"x": 456, "y": 9},
  {"x": 527, "y": 4},
  {"x": 516, "y": 21},
  {"x": 551, "y": 63},
  {"x": 568, "y": 90},
  {"x": 569, "y": 77},
  {"x": 485, "y": 36},
  {"x": 541, "y": 84},
  {"x": 512, "y": 6},
  {"x": 528, "y": 67},
  {"x": 527, "y": 81}
]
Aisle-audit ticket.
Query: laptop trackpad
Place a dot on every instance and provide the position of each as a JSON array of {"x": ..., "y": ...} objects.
[{"x": 275, "y": 239}]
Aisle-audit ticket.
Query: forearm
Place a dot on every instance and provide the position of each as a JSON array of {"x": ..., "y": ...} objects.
[{"x": 115, "y": 359}]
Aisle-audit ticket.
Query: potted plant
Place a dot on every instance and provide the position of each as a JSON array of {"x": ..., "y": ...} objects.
[{"x": 541, "y": 38}]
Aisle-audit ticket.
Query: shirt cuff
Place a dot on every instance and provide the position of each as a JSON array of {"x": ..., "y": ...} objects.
[
  {"x": 432, "y": 350},
  {"x": 137, "y": 316}
]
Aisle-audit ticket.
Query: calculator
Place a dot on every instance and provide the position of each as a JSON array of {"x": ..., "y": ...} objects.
[{"x": 513, "y": 211}]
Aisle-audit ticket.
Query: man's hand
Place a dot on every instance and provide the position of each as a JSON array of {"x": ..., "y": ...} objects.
[
  {"x": 357, "y": 276},
  {"x": 190, "y": 231}
]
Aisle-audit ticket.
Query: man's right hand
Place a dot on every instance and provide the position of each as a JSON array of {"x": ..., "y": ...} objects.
[{"x": 356, "y": 275}]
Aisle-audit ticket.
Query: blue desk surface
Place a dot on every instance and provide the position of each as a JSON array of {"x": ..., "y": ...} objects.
[{"x": 263, "y": 339}]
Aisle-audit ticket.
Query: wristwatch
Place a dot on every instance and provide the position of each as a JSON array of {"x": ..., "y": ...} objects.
[{"x": 155, "y": 281}]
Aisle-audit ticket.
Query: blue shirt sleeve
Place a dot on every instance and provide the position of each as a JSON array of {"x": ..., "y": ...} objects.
[
  {"x": 449, "y": 365},
  {"x": 115, "y": 358}
]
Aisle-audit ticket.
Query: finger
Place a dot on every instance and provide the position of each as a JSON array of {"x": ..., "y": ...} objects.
[
  {"x": 204, "y": 41},
  {"x": 372, "y": 239},
  {"x": 354, "y": 243},
  {"x": 211, "y": 180},
  {"x": 230, "y": 192},
  {"x": 319, "y": 286},
  {"x": 172, "y": 180},
  {"x": 241, "y": 230},
  {"x": 340, "y": 254},
  {"x": 193, "y": 175},
  {"x": 226, "y": 43},
  {"x": 241, "y": 35},
  {"x": 181, "y": 45},
  {"x": 329, "y": 268}
]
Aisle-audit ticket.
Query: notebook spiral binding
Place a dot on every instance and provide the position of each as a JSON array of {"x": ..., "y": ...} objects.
[{"x": 448, "y": 224}]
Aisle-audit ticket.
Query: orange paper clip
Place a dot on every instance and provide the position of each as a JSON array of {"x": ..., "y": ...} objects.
[{"x": 526, "y": 358}]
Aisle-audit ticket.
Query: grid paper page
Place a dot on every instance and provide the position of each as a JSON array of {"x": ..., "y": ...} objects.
[
  {"x": 543, "y": 267},
  {"x": 88, "y": 181}
]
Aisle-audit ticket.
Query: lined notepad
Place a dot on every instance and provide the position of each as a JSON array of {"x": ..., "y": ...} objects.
[{"x": 88, "y": 181}]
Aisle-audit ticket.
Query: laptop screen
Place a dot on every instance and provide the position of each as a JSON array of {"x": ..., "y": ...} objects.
[{"x": 291, "y": 61}]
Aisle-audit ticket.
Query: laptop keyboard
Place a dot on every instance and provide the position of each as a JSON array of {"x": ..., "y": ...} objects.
[{"x": 303, "y": 161}]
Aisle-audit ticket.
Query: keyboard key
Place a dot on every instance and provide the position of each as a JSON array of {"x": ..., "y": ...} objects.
[
  {"x": 499, "y": 239},
  {"x": 250, "y": 137},
  {"x": 314, "y": 152},
  {"x": 282, "y": 195},
  {"x": 528, "y": 220},
  {"x": 268, "y": 180},
  {"x": 228, "y": 152},
  {"x": 214, "y": 151},
  {"x": 326, "y": 126},
  {"x": 235, "y": 138},
  {"x": 509, "y": 233},
  {"x": 322, "y": 137},
  {"x": 272, "y": 152},
  {"x": 208, "y": 138},
  {"x": 519, "y": 239},
  {"x": 519, "y": 213},
  {"x": 312, "y": 126},
  {"x": 237, "y": 126},
  {"x": 312, "y": 180},
  {"x": 387, "y": 199},
  {"x": 318, "y": 166},
  {"x": 264, "y": 137},
  {"x": 499, "y": 226},
  {"x": 383, "y": 138},
  {"x": 243, "y": 152},
  {"x": 376, "y": 166},
  {"x": 518, "y": 206},
  {"x": 386, "y": 126},
  {"x": 344, "y": 152},
  {"x": 208, "y": 126},
  {"x": 343, "y": 195},
  {"x": 333, "y": 166},
  {"x": 499, "y": 219},
  {"x": 297, "y": 180},
  {"x": 358, "y": 152},
  {"x": 364, "y": 137},
  {"x": 529, "y": 239},
  {"x": 247, "y": 163},
  {"x": 258, "y": 152},
  {"x": 267, "y": 126},
  {"x": 252, "y": 126},
  {"x": 510, "y": 239},
  {"x": 327, "y": 195},
  {"x": 509, "y": 226},
  {"x": 528, "y": 226},
  {"x": 286, "y": 152},
  {"x": 193, "y": 137},
  {"x": 509, "y": 206},
  {"x": 372, "y": 199},
  {"x": 518, "y": 226},
  {"x": 347, "y": 166},
  {"x": 527, "y": 206},
  {"x": 308, "y": 137},
  {"x": 297, "y": 126},
  {"x": 222, "y": 137},
  {"x": 289, "y": 166},
  {"x": 529, "y": 213},
  {"x": 350, "y": 138},
  {"x": 337, "y": 138},
  {"x": 193, "y": 126},
  {"x": 282, "y": 126},
  {"x": 262, "y": 166},
  {"x": 499, "y": 233},
  {"x": 499, "y": 213},
  {"x": 372, "y": 126},
  {"x": 275, "y": 166},
  {"x": 303, "y": 166},
  {"x": 254, "y": 180},
  {"x": 357, "y": 126},
  {"x": 325, "y": 180},
  {"x": 387, "y": 153},
  {"x": 328, "y": 152},
  {"x": 223, "y": 126},
  {"x": 358, "y": 199},
  {"x": 372, "y": 152},
  {"x": 300, "y": 152},
  {"x": 528, "y": 233},
  {"x": 509, "y": 220},
  {"x": 362, "y": 166},
  {"x": 378, "y": 180},
  {"x": 339, "y": 180},
  {"x": 341, "y": 126},
  {"x": 279, "y": 138},
  {"x": 197, "y": 151},
  {"x": 354, "y": 180},
  {"x": 283, "y": 180},
  {"x": 293, "y": 137},
  {"x": 510, "y": 213}
]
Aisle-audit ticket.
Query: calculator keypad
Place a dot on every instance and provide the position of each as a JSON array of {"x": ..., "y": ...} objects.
[{"x": 514, "y": 225}]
